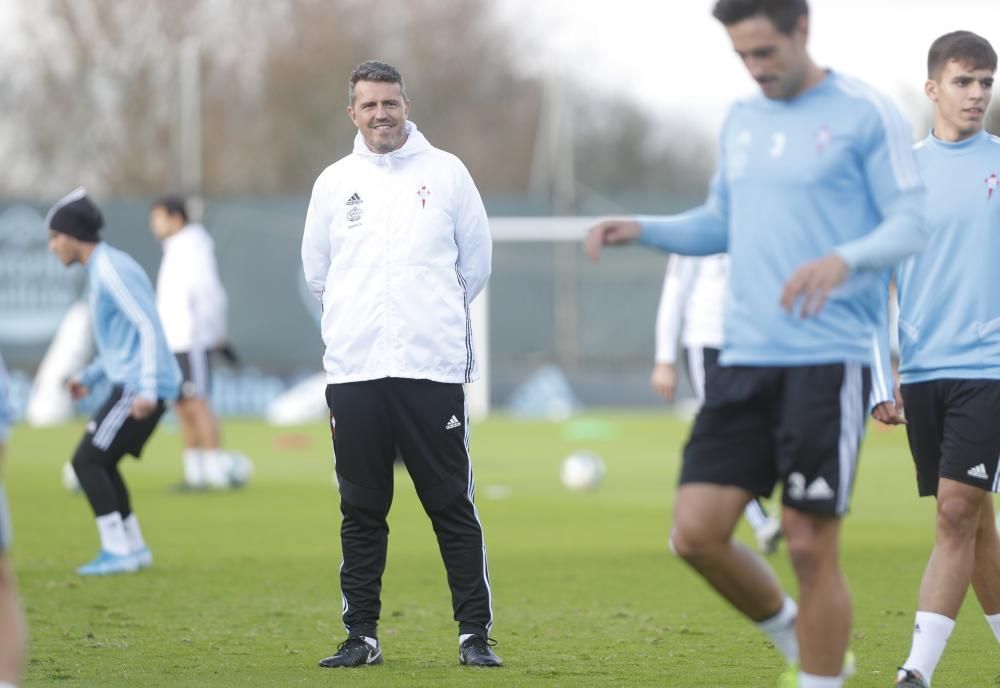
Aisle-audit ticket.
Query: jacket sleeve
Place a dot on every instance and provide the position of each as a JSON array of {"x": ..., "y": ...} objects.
[
  {"x": 883, "y": 382},
  {"x": 92, "y": 375},
  {"x": 669, "y": 316},
  {"x": 316, "y": 244},
  {"x": 472, "y": 236}
]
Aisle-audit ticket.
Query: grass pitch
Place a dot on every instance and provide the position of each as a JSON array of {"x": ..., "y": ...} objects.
[{"x": 244, "y": 591}]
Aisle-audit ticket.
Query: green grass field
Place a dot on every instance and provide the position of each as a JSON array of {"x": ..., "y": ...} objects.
[{"x": 244, "y": 591}]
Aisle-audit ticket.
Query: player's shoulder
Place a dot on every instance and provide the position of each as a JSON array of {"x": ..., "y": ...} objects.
[
  {"x": 111, "y": 261},
  {"x": 863, "y": 97}
]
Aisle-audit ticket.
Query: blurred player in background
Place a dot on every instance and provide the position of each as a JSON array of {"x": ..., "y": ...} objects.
[
  {"x": 693, "y": 297},
  {"x": 816, "y": 194},
  {"x": 192, "y": 306},
  {"x": 949, "y": 311},
  {"x": 13, "y": 630},
  {"x": 132, "y": 354}
]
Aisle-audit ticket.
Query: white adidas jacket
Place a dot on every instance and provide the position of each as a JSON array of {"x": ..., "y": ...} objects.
[
  {"x": 190, "y": 299},
  {"x": 395, "y": 248},
  {"x": 694, "y": 293}
]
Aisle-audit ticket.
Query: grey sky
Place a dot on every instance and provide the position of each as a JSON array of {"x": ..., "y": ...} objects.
[{"x": 675, "y": 58}]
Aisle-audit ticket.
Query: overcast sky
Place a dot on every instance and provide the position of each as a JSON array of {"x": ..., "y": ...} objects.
[{"x": 674, "y": 57}]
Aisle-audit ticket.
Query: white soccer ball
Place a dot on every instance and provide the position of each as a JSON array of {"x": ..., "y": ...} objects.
[
  {"x": 581, "y": 471},
  {"x": 240, "y": 469},
  {"x": 69, "y": 480}
]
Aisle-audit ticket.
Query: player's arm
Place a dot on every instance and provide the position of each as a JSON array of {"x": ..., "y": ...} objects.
[
  {"x": 472, "y": 235},
  {"x": 894, "y": 183},
  {"x": 677, "y": 283},
  {"x": 141, "y": 312},
  {"x": 700, "y": 232},
  {"x": 79, "y": 385},
  {"x": 316, "y": 243}
]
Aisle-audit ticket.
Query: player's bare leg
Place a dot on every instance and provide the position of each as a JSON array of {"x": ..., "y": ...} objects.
[
  {"x": 13, "y": 630},
  {"x": 986, "y": 571},
  {"x": 949, "y": 570},
  {"x": 824, "y": 619},
  {"x": 200, "y": 432},
  {"x": 704, "y": 519},
  {"x": 948, "y": 574}
]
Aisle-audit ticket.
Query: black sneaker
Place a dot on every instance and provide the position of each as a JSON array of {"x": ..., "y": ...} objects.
[
  {"x": 477, "y": 651},
  {"x": 911, "y": 679},
  {"x": 353, "y": 652}
]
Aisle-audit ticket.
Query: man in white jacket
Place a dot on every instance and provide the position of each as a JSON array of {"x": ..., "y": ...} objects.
[
  {"x": 191, "y": 303},
  {"x": 395, "y": 248},
  {"x": 693, "y": 297}
]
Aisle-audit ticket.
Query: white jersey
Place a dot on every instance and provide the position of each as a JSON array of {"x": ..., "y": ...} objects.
[
  {"x": 395, "y": 248},
  {"x": 189, "y": 295},
  {"x": 694, "y": 294}
]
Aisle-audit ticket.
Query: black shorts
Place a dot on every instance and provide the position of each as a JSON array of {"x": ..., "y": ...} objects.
[
  {"x": 954, "y": 431},
  {"x": 196, "y": 374},
  {"x": 701, "y": 360},
  {"x": 114, "y": 432},
  {"x": 801, "y": 425}
]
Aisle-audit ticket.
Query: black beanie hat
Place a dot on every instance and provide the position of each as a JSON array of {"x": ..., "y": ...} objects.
[{"x": 76, "y": 215}]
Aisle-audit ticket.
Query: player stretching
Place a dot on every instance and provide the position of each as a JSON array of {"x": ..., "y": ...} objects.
[{"x": 132, "y": 354}]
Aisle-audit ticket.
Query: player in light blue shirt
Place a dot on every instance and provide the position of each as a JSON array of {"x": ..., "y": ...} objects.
[
  {"x": 133, "y": 355},
  {"x": 949, "y": 337},
  {"x": 815, "y": 195},
  {"x": 12, "y": 624}
]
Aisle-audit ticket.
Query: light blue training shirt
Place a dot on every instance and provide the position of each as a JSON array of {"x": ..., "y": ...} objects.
[
  {"x": 949, "y": 295},
  {"x": 831, "y": 170},
  {"x": 131, "y": 348}
]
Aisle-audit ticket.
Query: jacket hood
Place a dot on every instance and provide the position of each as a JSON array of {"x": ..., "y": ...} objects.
[{"x": 415, "y": 143}]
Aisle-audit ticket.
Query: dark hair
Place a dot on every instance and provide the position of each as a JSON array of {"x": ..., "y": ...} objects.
[
  {"x": 963, "y": 46},
  {"x": 784, "y": 14},
  {"x": 174, "y": 205},
  {"x": 373, "y": 70}
]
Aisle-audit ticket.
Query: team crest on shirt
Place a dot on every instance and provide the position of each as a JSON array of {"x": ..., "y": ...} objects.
[
  {"x": 823, "y": 138},
  {"x": 354, "y": 209},
  {"x": 424, "y": 193},
  {"x": 991, "y": 183},
  {"x": 778, "y": 141}
]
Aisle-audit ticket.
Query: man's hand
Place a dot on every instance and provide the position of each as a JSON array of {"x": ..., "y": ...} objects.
[
  {"x": 609, "y": 232},
  {"x": 664, "y": 380},
  {"x": 76, "y": 390},
  {"x": 813, "y": 282},
  {"x": 890, "y": 413},
  {"x": 142, "y": 407}
]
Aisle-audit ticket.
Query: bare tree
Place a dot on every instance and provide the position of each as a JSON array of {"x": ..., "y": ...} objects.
[{"x": 93, "y": 84}]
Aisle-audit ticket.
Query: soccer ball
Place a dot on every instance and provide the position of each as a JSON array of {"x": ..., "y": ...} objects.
[
  {"x": 582, "y": 471},
  {"x": 69, "y": 480},
  {"x": 240, "y": 469}
]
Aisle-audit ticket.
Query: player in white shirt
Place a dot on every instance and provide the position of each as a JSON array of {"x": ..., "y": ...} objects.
[
  {"x": 691, "y": 309},
  {"x": 191, "y": 303}
]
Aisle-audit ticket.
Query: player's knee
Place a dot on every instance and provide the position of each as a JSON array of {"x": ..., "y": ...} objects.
[
  {"x": 82, "y": 460},
  {"x": 810, "y": 552},
  {"x": 692, "y": 542},
  {"x": 957, "y": 516}
]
